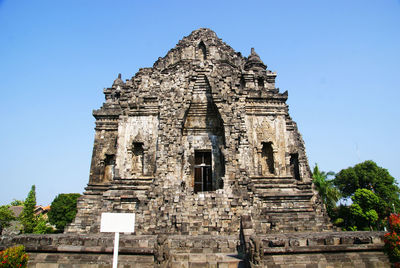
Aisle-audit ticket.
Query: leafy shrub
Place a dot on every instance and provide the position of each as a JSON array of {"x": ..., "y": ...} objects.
[
  {"x": 13, "y": 257},
  {"x": 42, "y": 226}
]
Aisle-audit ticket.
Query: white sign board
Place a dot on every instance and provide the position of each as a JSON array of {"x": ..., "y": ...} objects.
[{"x": 117, "y": 222}]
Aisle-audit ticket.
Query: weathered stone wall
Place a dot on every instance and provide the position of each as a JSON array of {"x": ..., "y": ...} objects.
[
  {"x": 139, "y": 130},
  {"x": 201, "y": 97},
  {"x": 327, "y": 249}
]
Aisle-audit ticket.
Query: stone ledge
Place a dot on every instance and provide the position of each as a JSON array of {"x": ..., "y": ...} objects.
[
  {"x": 278, "y": 249},
  {"x": 323, "y": 249},
  {"x": 76, "y": 243},
  {"x": 144, "y": 244}
]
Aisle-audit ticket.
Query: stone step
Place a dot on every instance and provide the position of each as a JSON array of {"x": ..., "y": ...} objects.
[
  {"x": 275, "y": 186},
  {"x": 279, "y": 188},
  {"x": 200, "y": 84},
  {"x": 273, "y": 181},
  {"x": 137, "y": 187},
  {"x": 220, "y": 260},
  {"x": 286, "y": 210},
  {"x": 271, "y": 177},
  {"x": 281, "y": 181},
  {"x": 285, "y": 196},
  {"x": 134, "y": 181},
  {"x": 282, "y": 190},
  {"x": 141, "y": 187},
  {"x": 95, "y": 188}
]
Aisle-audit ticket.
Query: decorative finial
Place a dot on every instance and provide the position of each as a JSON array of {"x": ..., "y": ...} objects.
[
  {"x": 118, "y": 81},
  {"x": 254, "y": 61}
]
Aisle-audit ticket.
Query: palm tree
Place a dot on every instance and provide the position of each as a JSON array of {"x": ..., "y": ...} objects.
[{"x": 327, "y": 191}]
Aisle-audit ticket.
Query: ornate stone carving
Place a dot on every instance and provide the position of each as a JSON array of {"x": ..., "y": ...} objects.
[
  {"x": 256, "y": 251},
  {"x": 161, "y": 252},
  {"x": 197, "y": 141}
]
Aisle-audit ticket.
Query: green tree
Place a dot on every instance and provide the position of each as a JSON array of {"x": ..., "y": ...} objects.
[
  {"x": 368, "y": 175},
  {"x": 63, "y": 210},
  {"x": 42, "y": 226},
  {"x": 342, "y": 217},
  {"x": 27, "y": 217},
  {"x": 326, "y": 189},
  {"x": 16, "y": 202},
  {"x": 6, "y": 216},
  {"x": 363, "y": 209}
]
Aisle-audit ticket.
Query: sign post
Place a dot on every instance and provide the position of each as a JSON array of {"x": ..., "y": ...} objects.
[
  {"x": 116, "y": 223},
  {"x": 116, "y": 246}
]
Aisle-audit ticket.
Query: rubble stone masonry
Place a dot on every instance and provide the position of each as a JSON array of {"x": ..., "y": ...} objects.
[{"x": 196, "y": 143}]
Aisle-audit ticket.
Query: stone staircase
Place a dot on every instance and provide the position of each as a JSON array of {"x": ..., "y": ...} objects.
[
  {"x": 204, "y": 251},
  {"x": 207, "y": 260},
  {"x": 285, "y": 205},
  {"x": 137, "y": 184},
  {"x": 277, "y": 184}
]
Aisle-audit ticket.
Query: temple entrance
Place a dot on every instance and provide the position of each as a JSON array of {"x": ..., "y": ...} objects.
[
  {"x": 203, "y": 172},
  {"x": 203, "y": 136}
]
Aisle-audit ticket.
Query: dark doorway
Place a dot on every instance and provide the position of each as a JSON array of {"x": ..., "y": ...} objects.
[
  {"x": 267, "y": 159},
  {"x": 202, "y": 171},
  {"x": 294, "y": 166},
  {"x": 260, "y": 83},
  {"x": 203, "y": 51}
]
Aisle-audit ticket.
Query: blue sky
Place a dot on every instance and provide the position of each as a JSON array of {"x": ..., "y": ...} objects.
[{"x": 339, "y": 60}]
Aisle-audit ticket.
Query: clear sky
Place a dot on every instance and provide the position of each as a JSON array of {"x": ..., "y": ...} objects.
[{"x": 339, "y": 60}]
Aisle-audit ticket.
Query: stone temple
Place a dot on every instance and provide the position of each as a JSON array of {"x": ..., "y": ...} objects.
[
  {"x": 199, "y": 144},
  {"x": 202, "y": 149}
]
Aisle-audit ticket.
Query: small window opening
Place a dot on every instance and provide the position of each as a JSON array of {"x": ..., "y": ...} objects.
[
  {"x": 202, "y": 51},
  {"x": 202, "y": 172},
  {"x": 294, "y": 166},
  {"x": 137, "y": 157},
  {"x": 109, "y": 164},
  {"x": 267, "y": 159},
  {"x": 242, "y": 83},
  {"x": 260, "y": 83}
]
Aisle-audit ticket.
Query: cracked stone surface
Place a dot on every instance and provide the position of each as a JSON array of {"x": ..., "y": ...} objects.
[{"x": 198, "y": 144}]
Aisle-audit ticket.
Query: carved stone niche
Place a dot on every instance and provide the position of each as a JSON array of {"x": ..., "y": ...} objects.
[
  {"x": 266, "y": 159},
  {"x": 108, "y": 166},
  {"x": 137, "y": 159}
]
